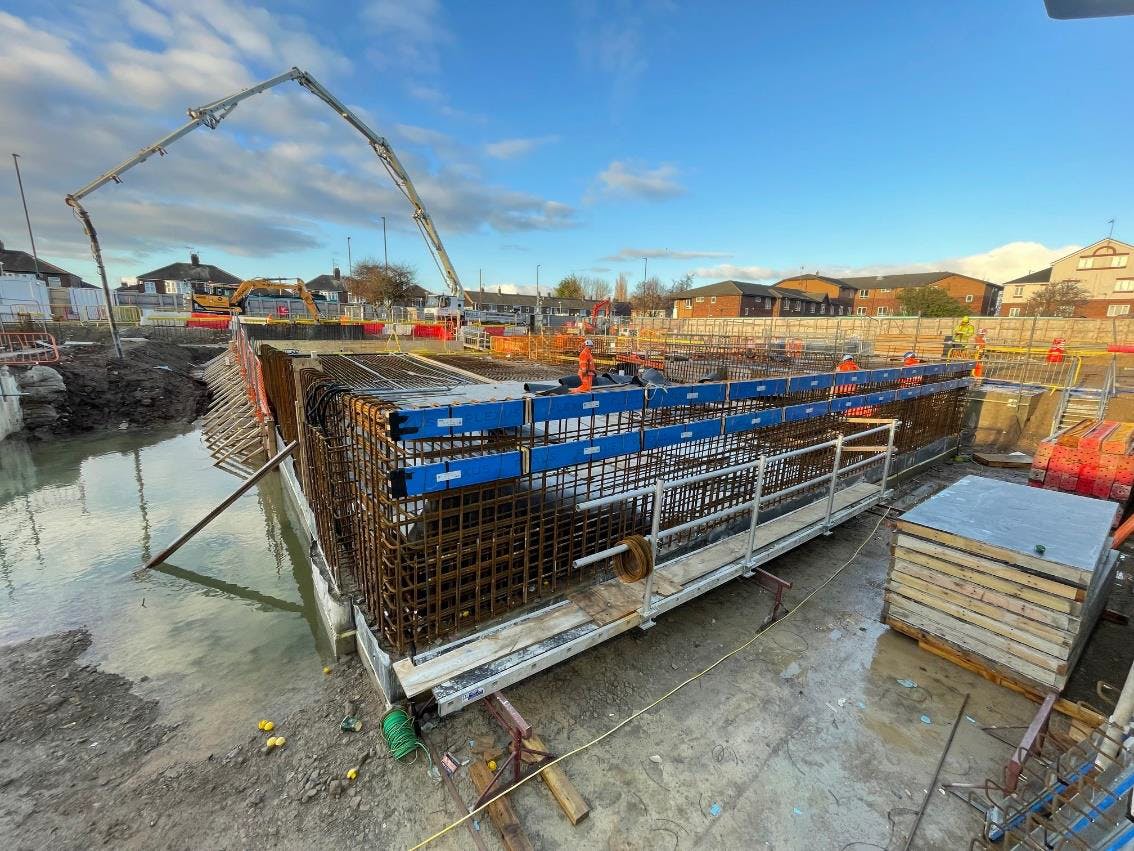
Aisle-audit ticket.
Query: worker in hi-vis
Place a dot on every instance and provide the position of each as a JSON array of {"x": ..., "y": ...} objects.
[
  {"x": 586, "y": 366},
  {"x": 910, "y": 359},
  {"x": 847, "y": 364},
  {"x": 964, "y": 331}
]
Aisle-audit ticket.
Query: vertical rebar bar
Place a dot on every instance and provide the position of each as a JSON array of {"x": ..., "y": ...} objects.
[{"x": 834, "y": 483}]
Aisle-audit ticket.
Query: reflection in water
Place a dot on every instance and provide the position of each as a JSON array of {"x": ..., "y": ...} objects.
[{"x": 226, "y": 634}]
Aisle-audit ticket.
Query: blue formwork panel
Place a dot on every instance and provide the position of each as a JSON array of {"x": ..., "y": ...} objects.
[
  {"x": 424, "y": 423},
  {"x": 558, "y": 455},
  {"x": 810, "y": 410},
  {"x": 908, "y": 392},
  {"x": 476, "y": 471},
  {"x": 878, "y": 376},
  {"x": 754, "y": 419},
  {"x": 483, "y": 416},
  {"x": 656, "y": 438},
  {"x": 857, "y": 376},
  {"x": 430, "y": 478},
  {"x": 910, "y": 371},
  {"x": 841, "y": 404},
  {"x": 686, "y": 394},
  {"x": 757, "y": 389},
  {"x": 810, "y": 382},
  {"x": 576, "y": 405},
  {"x": 936, "y": 368},
  {"x": 881, "y": 397}
]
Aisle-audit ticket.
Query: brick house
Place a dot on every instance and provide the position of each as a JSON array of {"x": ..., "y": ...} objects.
[
  {"x": 1103, "y": 269},
  {"x": 726, "y": 299},
  {"x": 15, "y": 262},
  {"x": 182, "y": 278},
  {"x": 840, "y": 294},
  {"x": 877, "y": 295},
  {"x": 331, "y": 287}
]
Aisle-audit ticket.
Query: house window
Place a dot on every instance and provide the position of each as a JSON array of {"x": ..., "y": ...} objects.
[
  {"x": 1085, "y": 262},
  {"x": 1118, "y": 261},
  {"x": 700, "y": 299},
  {"x": 712, "y": 299},
  {"x": 688, "y": 304},
  {"x": 1017, "y": 292},
  {"x": 882, "y": 311},
  {"x": 767, "y": 303},
  {"x": 861, "y": 311},
  {"x": 969, "y": 298},
  {"x": 1118, "y": 310},
  {"x": 149, "y": 287},
  {"x": 885, "y": 289},
  {"x": 1124, "y": 285},
  {"x": 795, "y": 305},
  {"x": 1013, "y": 311},
  {"x": 865, "y": 294},
  {"x": 811, "y": 307},
  {"x": 823, "y": 308}
]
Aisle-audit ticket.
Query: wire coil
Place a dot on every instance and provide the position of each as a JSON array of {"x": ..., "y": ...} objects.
[{"x": 637, "y": 562}]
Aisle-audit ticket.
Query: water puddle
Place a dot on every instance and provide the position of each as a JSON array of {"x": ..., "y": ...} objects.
[{"x": 226, "y": 634}]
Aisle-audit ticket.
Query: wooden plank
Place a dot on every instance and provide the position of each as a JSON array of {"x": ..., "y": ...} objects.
[
  {"x": 685, "y": 570},
  {"x": 561, "y": 787},
  {"x": 416, "y": 679},
  {"x": 1082, "y": 578},
  {"x": 1010, "y": 460},
  {"x": 1033, "y": 664},
  {"x": 501, "y": 812},
  {"x": 609, "y": 601},
  {"x": 1058, "y": 648},
  {"x": 1024, "y": 592},
  {"x": 996, "y": 568},
  {"x": 1006, "y": 602}
]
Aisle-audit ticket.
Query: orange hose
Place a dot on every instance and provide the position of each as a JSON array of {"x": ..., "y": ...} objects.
[{"x": 1123, "y": 532}]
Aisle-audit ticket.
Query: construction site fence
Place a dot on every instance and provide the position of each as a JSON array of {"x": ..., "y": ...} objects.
[
  {"x": 445, "y": 517},
  {"x": 895, "y": 334},
  {"x": 27, "y": 348},
  {"x": 1025, "y": 367},
  {"x": 242, "y": 350}
]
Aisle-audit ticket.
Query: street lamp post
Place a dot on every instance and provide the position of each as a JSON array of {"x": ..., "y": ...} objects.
[
  {"x": 27, "y": 218},
  {"x": 645, "y": 265},
  {"x": 349, "y": 264},
  {"x": 385, "y": 249}
]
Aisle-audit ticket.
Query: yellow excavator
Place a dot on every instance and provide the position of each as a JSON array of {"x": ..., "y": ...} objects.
[{"x": 232, "y": 302}]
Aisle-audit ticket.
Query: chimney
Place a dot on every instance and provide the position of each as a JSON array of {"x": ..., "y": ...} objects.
[
  {"x": 338, "y": 275},
  {"x": 194, "y": 259},
  {"x": 500, "y": 291}
]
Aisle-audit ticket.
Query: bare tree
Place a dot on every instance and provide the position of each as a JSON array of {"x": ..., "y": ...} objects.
[
  {"x": 376, "y": 283},
  {"x": 650, "y": 296},
  {"x": 680, "y": 285},
  {"x": 622, "y": 287},
  {"x": 1057, "y": 298},
  {"x": 594, "y": 288}
]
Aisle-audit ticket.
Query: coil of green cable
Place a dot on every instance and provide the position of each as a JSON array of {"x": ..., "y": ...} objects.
[{"x": 397, "y": 730}]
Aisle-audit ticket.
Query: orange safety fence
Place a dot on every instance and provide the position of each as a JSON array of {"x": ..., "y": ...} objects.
[
  {"x": 27, "y": 348},
  {"x": 252, "y": 373}
]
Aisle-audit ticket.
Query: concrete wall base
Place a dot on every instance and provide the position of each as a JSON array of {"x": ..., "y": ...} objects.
[{"x": 11, "y": 417}]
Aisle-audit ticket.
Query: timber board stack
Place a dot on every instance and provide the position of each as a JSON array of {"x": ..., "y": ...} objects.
[{"x": 1008, "y": 576}]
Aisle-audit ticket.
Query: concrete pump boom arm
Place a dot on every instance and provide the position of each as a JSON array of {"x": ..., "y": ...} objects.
[{"x": 212, "y": 114}]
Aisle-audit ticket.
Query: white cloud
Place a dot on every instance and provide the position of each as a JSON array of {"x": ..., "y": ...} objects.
[
  {"x": 625, "y": 180},
  {"x": 507, "y": 149},
  {"x": 410, "y": 35},
  {"x": 664, "y": 253},
  {"x": 999, "y": 264},
  {"x": 727, "y": 271},
  {"x": 267, "y": 181},
  {"x": 611, "y": 39}
]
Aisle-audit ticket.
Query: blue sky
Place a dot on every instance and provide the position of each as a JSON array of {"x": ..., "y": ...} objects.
[{"x": 727, "y": 140}]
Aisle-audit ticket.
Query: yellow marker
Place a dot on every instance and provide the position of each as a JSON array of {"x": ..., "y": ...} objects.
[
  {"x": 260, "y": 725},
  {"x": 268, "y": 727},
  {"x": 352, "y": 774},
  {"x": 326, "y": 669},
  {"x": 271, "y": 742},
  {"x": 280, "y": 741},
  {"x": 492, "y": 765}
]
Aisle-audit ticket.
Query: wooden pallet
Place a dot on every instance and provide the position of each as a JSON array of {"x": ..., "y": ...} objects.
[{"x": 984, "y": 669}]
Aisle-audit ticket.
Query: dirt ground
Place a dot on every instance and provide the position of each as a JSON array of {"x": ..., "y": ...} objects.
[
  {"x": 153, "y": 383},
  {"x": 805, "y": 739}
]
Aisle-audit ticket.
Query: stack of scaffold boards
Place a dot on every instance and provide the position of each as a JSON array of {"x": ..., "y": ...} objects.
[
  {"x": 1092, "y": 458},
  {"x": 1005, "y": 579}
]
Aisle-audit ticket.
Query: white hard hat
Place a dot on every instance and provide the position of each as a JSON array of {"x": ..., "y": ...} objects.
[
  {"x": 590, "y": 343},
  {"x": 910, "y": 354},
  {"x": 847, "y": 358}
]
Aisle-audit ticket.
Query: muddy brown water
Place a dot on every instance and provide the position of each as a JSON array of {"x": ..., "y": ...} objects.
[{"x": 219, "y": 635}]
